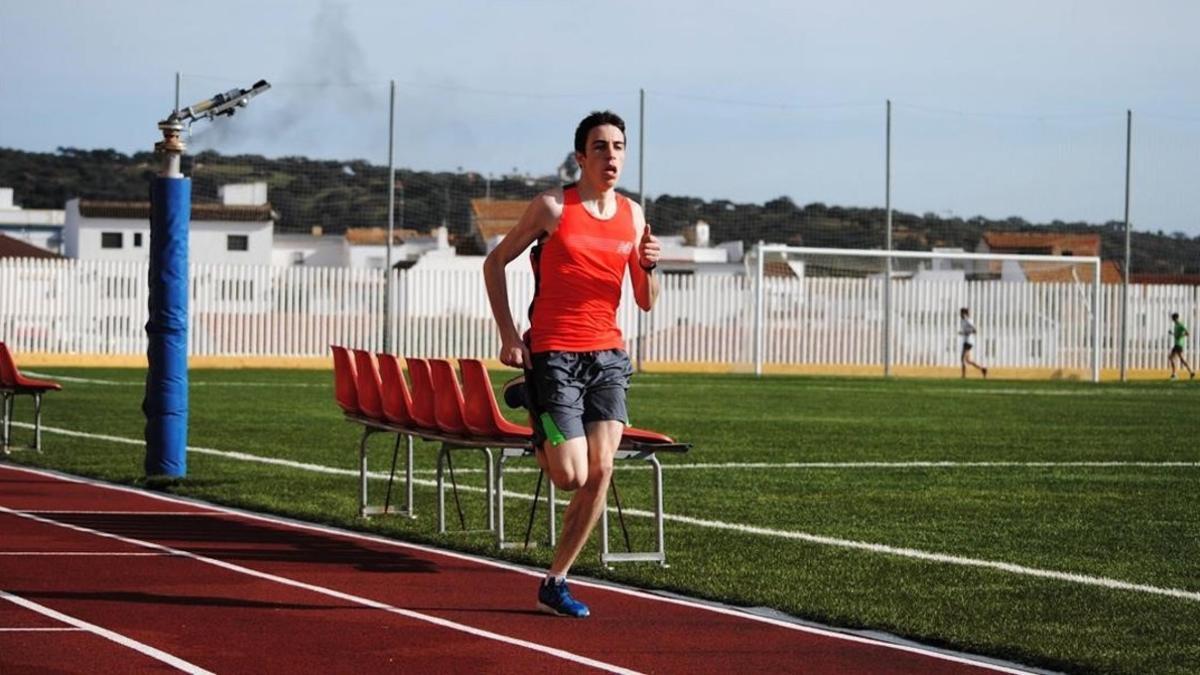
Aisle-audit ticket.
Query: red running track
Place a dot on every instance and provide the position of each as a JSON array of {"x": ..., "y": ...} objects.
[{"x": 110, "y": 579}]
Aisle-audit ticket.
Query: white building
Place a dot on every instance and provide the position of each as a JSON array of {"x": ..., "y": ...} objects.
[
  {"x": 237, "y": 231},
  {"x": 367, "y": 247},
  {"x": 314, "y": 250},
  {"x": 38, "y": 227}
]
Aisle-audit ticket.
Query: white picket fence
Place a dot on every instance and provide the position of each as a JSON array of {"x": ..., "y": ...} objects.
[{"x": 79, "y": 307}]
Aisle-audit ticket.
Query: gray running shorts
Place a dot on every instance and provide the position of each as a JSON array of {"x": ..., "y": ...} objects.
[{"x": 572, "y": 389}]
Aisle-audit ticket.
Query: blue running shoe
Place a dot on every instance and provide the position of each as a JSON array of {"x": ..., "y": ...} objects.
[{"x": 555, "y": 598}]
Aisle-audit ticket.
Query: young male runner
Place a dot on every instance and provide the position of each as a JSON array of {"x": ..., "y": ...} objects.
[
  {"x": 586, "y": 236},
  {"x": 967, "y": 330},
  {"x": 1179, "y": 334}
]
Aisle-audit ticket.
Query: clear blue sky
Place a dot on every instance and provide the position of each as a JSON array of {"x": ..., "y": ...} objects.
[{"x": 1001, "y": 109}]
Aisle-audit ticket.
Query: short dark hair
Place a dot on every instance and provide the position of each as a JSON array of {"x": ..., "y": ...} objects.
[
  {"x": 962, "y": 311},
  {"x": 1175, "y": 316},
  {"x": 595, "y": 119}
]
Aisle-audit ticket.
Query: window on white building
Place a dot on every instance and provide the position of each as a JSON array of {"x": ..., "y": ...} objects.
[
  {"x": 137, "y": 239},
  {"x": 237, "y": 242},
  {"x": 112, "y": 240}
]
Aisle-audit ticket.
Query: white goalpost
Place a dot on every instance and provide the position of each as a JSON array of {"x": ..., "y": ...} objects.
[{"x": 874, "y": 308}]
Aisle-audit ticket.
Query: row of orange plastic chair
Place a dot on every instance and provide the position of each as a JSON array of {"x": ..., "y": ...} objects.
[
  {"x": 373, "y": 386},
  {"x": 12, "y": 384},
  {"x": 434, "y": 405}
]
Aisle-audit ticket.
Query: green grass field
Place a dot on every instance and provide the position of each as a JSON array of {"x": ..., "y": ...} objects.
[{"x": 1052, "y": 524}]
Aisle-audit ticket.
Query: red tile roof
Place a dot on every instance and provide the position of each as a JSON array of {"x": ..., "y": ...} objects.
[
  {"x": 1173, "y": 279},
  {"x": 1052, "y": 242},
  {"x": 15, "y": 248},
  {"x": 496, "y": 217},
  {"x": 364, "y": 236},
  {"x": 1067, "y": 272},
  {"x": 778, "y": 269}
]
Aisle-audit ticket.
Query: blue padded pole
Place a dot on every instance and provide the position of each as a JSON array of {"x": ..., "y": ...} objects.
[{"x": 166, "y": 401}]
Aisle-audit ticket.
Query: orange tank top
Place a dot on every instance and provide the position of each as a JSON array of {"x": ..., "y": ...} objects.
[{"x": 578, "y": 272}]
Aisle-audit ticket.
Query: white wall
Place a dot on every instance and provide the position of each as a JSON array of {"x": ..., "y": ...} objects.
[
  {"x": 207, "y": 240},
  {"x": 314, "y": 251},
  {"x": 39, "y": 227},
  {"x": 243, "y": 194},
  {"x": 82, "y": 237}
]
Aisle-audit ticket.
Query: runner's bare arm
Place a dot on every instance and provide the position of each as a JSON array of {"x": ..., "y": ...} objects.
[
  {"x": 644, "y": 258},
  {"x": 540, "y": 218}
]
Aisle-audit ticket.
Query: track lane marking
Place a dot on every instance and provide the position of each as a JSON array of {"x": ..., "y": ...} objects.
[
  {"x": 141, "y": 554},
  {"x": 632, "y": 592},
  {"x": 113, "y": 636},
  {"x": 348, "y": 597}
]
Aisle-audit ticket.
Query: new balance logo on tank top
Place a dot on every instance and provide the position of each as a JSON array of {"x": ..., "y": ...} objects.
[{"x": 578, "y": 272}]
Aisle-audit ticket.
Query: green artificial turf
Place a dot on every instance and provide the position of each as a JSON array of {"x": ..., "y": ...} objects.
[{"x": 838, "y": 543}]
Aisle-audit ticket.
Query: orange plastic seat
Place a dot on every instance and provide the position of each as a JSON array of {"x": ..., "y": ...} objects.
[
  {"x": 12, "y": 384},
  {"x": 397, "y": 402},
  {"x": 345, "y": 387},
  {"x": 636, "y": 435},
  {"x": 422, "y": 393},
  {"x": 368, "y": 385},
  {"x": 11, "y": 377},
  {"x": 481, "y": 412},
  {"x": 447, "y": 398}
]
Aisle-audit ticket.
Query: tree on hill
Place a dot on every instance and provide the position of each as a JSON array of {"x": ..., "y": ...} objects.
[{"x": 337, "y": 194}]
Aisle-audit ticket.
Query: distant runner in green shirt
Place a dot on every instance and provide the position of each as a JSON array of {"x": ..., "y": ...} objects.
[{"x": 1179, "y": 333}]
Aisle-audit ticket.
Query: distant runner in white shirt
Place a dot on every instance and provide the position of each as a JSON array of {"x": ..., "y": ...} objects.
[{"x": 967, "y": 330}]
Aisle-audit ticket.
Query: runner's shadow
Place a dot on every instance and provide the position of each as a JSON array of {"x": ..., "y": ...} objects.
[
  {"x": 231, "y": 537},
  {"x": 126, "y": 597}
]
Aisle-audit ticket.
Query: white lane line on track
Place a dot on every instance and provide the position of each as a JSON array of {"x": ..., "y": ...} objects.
[
  {"x": 134, "y": 554},
  {"x": 633, "y": 592},
  {"x": 122, "y": 640},
  {"x": 321, "y": 590}
]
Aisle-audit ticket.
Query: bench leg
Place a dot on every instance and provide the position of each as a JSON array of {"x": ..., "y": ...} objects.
[
  {"x": 37, "y": 422},
  {"x": 441, "y": 491},
  {"x": 387, "y": 499},
  {"x": 659, "y": 554},
  {"x": 658, "y": 511},
  {"x": 362, "y": 473},
  {"x": 4, "y": 422},
  {"x": 500, "y": 461},
  {"x": 491, "y": 486},
  {"x": 408, "y": 479}
]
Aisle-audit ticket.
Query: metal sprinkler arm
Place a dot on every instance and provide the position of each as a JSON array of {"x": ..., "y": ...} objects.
[{"x": 171, "y": 148}]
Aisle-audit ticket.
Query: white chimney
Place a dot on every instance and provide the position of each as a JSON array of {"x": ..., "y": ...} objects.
[{"x": 6, "y": 198}]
